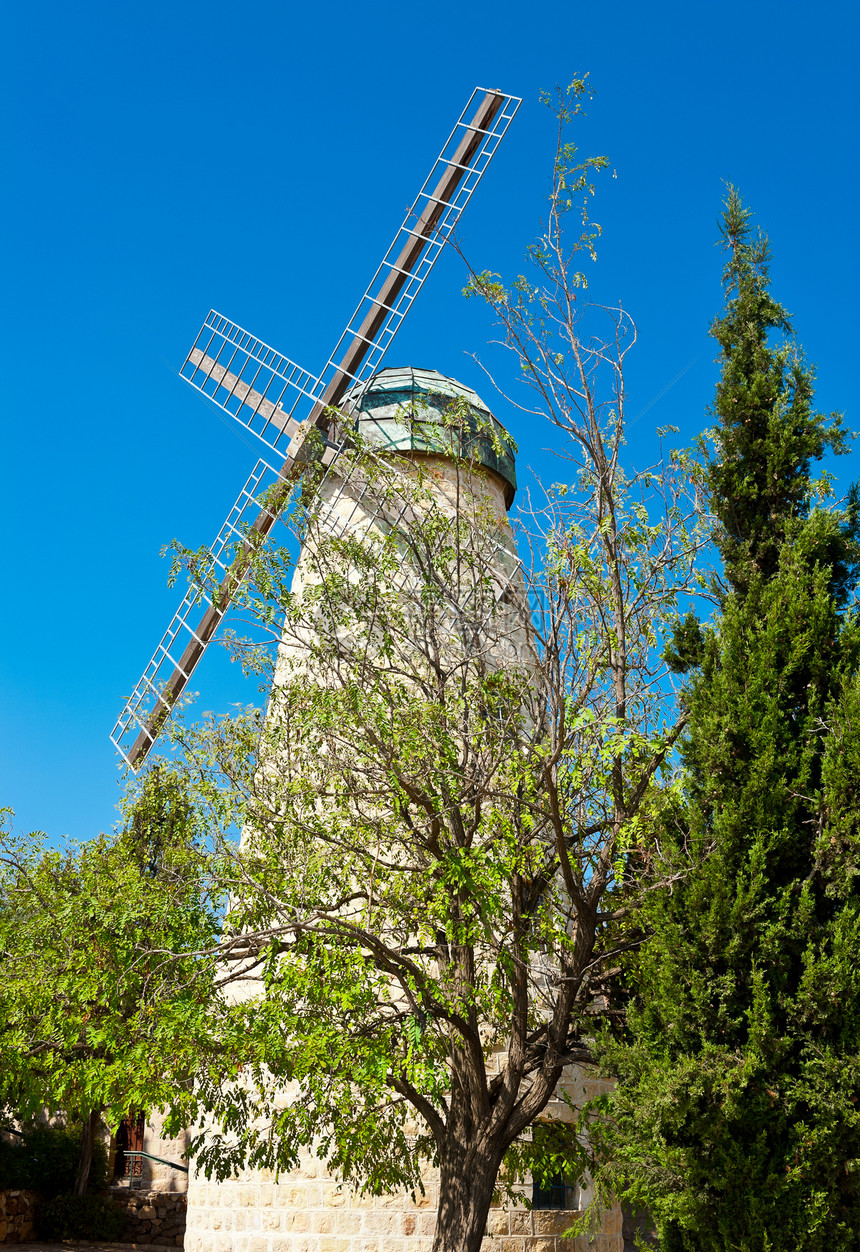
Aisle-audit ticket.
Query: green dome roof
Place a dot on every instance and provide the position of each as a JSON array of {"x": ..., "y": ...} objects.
[{"x": 410, "y": 409}]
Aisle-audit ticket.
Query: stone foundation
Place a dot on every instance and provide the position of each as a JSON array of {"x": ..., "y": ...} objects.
[
  {"x": 16, "y": 1216},
  {"x": 156, "y": 1217},
  {"x": 310, "y": 1213},
  {"x": 307, "y": 1211}
]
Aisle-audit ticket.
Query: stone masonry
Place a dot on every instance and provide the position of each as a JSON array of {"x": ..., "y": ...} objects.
[
  {"x": 310, "y": 1213},
  {"x": 306, "y": 1211},
  {"x": 154, "y": 1217},
  {"x": 16, "y": 1216}
]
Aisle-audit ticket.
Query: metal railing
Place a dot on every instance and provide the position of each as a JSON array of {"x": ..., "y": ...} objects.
[{"x": 135, "y": 1181}]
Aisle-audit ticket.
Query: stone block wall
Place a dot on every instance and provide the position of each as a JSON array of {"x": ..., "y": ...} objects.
[
  {"x": 521, "y": 1230},
  {"x": 310, "y": 1213},
  {"x": 16, "y": 1216},
  {"x": 156, "y": 1217},
  {"x": 307, "y": 1211},
  {"x": 156, "y": 1175}
]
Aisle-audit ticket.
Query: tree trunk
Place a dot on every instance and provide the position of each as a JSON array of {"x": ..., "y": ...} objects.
[
  {"x": 88, "y": 1138},
  {"x": 466, "y": 1184}
]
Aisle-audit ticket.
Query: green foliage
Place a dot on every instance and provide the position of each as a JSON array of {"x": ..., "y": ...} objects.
[
  {"x": 767, "y": 432},
  {"x": 452, "y": 783},
  {"x": 46, "y": 1160},
  {"x": 553, "y": 252},
  {"x": 555, "y": 1150},
  {"x": 685, "y": 649},
  {"x": 81, "y": 1217},
  {"x": 160, "y": 825},
  {"x": 13, "y": 1165},
  {"x": 735, "y": 1120},
  {"x": 103, "y": 981}
]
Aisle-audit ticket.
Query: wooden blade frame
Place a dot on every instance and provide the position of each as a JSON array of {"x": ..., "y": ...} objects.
[{"x": 281, "y": 403}]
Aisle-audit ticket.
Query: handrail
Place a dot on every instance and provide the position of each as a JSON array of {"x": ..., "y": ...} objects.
[{"x": 161, "y": 1160}]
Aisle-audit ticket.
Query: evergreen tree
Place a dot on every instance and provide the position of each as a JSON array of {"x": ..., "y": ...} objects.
[{"x": 735, "y": 1120}]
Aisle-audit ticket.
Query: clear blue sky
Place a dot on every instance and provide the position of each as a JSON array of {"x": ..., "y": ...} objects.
[{"x": 161, "y": 159}]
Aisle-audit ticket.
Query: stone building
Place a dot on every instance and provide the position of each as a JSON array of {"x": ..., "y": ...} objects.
[{"x": 307, "y": 1211}]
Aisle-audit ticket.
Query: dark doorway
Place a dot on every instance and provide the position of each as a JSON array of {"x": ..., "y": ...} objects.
[{"x": 129, "y": 1138}]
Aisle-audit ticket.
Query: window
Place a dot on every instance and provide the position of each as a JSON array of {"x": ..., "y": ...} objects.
[
  {"x": 557, "y": 1146},
  {"x": 556, "y": 1193}
]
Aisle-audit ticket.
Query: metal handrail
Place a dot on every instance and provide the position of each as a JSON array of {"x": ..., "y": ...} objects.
[{"x": 161, "y": 1160}]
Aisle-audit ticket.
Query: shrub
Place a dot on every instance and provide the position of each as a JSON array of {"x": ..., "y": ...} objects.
[
  {"x": 14, "y": 1173},
  {"x": 80, "y": 1217},
  {"x": 46, "y": 1160}
]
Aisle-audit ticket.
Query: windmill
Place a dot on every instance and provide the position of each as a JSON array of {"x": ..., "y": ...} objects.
[{"x": 282, "y": 404}]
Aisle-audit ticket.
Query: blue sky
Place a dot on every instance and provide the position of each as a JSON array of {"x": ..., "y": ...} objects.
[{"x": 161, "y": 159}]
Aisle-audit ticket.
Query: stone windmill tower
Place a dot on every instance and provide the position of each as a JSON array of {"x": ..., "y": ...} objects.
[
  {"x": 284, "y": 406},
  {"x": 401, "y": 414}
]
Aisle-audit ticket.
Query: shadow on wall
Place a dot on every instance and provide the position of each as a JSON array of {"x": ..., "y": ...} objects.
[{"x": 637, "y": 1229}]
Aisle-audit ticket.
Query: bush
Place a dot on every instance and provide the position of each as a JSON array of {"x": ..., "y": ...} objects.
[
  {"x": 46, "y": 1160},
  {"x": 81, "y": 1217},
  {"x": 14, "y": 1166}
]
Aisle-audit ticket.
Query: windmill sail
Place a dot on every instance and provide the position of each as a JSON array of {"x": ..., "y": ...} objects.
[{"x": 281, "y": 403}]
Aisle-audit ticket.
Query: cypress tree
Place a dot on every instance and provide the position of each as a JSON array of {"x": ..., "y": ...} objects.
[{"x": 735, "y": 1121}]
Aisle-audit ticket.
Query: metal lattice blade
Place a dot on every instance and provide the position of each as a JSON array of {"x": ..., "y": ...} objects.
[
  {"x": 267, "y": 392},
  {"x": 281, "y": 403},
  {"x": 250, "y": 381},
  {"x": 428, "y": 225},
  {"x": 261, "y": 501}
]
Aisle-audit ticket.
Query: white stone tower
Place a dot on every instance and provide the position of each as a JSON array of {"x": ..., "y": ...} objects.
[{"x": 307, "y": 1211}]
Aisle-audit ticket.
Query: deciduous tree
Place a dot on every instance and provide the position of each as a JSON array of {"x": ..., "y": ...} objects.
[
  {"x": 102, "y": 987},
  {"x": 450, "y": 779}
]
